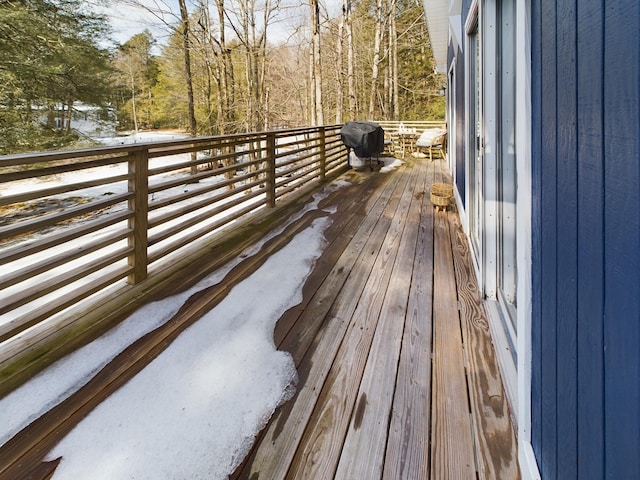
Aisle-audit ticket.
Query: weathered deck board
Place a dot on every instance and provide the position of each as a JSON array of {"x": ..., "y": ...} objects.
[
  {"x": 334, "y": 267},
  {"x": 407, "y": 455},
  {"x": 452, "y": 449},
  {"x": 320, "y": 448},
  {"x": 364, "y": 447},
  {"x": 364, "y": 214},
  {"x": 494, "y": 434}
]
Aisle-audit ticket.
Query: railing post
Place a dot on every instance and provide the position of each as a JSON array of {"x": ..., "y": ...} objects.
[
  {"x": 271, "y": 170},
  {"x": 138, "y": 221},
  {"x": 323, "y": 155}
]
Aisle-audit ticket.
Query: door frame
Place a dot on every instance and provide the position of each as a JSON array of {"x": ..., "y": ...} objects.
[{"x": 473, "y": 150}]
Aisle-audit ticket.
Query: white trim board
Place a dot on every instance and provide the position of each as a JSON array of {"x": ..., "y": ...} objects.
[{"x": 526, "y": 456}]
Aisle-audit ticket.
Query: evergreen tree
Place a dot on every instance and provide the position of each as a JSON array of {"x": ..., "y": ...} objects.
[{"x": 49, "y": 59}]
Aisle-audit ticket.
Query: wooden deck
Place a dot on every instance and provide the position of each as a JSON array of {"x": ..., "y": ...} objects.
[
  {"x": 397, "y": 373},
  {"x": 398, "y": 376}
]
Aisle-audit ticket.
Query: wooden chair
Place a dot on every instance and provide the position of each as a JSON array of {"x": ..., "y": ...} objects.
[{"x": 439, "y": 146}]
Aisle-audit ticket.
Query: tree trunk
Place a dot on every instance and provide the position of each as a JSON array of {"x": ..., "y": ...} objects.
[
  {"x": 210, "y": 58},
  {"x": 393, "y": 47},
  {"x": 340, "y": 61},
  {"x": 267, "y": 123},
  {"x": 316, "y": 64},
  {"x": 312, "y": 87},
  {"x": 350, "y": 67},
  {"x": 376, "y": 58},
  {"x": 69, "y": 115},
  {"x": 211, "y": 124},
  {"x": 186, "y": 42},
  {"x": 222, "y": 75},
  {"x": 134, "y": 112}
]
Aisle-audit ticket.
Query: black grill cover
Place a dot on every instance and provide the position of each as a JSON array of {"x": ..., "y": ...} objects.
[{"x": 365, "y": 138}]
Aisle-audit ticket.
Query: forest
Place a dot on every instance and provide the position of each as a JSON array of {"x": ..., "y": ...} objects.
[{"x": 215, "y": 71}]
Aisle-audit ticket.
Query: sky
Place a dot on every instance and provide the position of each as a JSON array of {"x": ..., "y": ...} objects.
[
  {"x": 194, "y": 411},
  {"x": 128, "y": 20}
]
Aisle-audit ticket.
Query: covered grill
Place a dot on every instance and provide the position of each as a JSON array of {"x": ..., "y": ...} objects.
[{"x": 366, "y": 139}]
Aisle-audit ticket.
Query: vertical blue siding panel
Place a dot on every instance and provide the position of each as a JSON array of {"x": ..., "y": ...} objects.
[
  {"x": 590, "y": 241},
  {"x": 566, "y": 241},
  {"x": 548, "y": 236},
  {"x": 622, "y": 239},
  {"x": 536, "y": 228}
]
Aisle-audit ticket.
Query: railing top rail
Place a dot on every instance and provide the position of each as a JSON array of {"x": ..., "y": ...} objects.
[
  {"x": 412, "y": 122},
  {"x": 154, "y": 146}
]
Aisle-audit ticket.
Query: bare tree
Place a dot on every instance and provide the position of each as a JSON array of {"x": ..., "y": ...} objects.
[
  {"x": 340, "y": 63},
  {"x": 350, "y": 62},
  {"x": 225, "y": 84},
  {"x": 126, "y": 66},
  {"x": 315, "y": 67},
  {"x": 250, "y": 22},
  {"x": 217, "y": 58},
  {"x": 393, "y": 61},
  {"x": 379, "y": 21},
  {"x": 288, "y": 90},
  {"x": 186, "y": 43},
  {"x": 133, "y": 61}
]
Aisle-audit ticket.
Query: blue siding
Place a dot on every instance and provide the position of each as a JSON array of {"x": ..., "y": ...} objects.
[
  {"x": 622, "y": 238},
  {"x": 536, "y": 234},
  {"x": 548, "y": 246},
  {"x": 567, "y": 249},
  {"x": 586, "y": 240},
  {"x": 590, "y": 183}
]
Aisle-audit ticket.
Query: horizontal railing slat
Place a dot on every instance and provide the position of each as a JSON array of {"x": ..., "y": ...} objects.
[
  {"x": 48, "y": 192},
  {"x": 23, "y": 322},
  {"x": 181, "y": 242},
  {"x": 26, "y": 226},
  {"x": 191, "y": 193},
  {"x": 61, "y": 259},
  {"x": 41, "y": 289},
  {"x": 23, "y": 250},
  {"x": 108, "y": 156},
  {"x": 178, "y": 212},
  {"x": 169, "y": 232}
]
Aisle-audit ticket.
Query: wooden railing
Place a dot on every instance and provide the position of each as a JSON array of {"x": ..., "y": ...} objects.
[{"x": 77, "y": 224}]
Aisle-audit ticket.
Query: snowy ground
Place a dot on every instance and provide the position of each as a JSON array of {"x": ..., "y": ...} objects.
[{"x": 194, "y": 411}]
